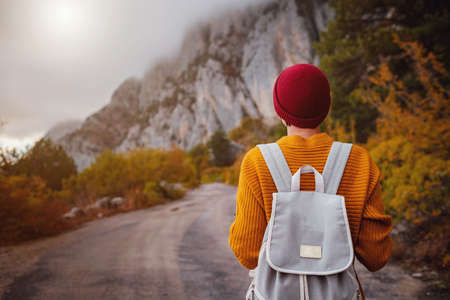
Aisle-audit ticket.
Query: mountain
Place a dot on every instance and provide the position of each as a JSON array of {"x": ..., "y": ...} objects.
[
  {"x": 224, "y": 71},
  {"x": 62, "y": 128}
]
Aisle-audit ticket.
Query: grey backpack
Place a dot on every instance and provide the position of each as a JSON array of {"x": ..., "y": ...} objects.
[{"x": 307, "y": 250}]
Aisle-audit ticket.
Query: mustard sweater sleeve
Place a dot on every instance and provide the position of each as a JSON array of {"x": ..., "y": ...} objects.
[
  {"x": 247, "y": 230},
  {"x": 374, "y": 244}
]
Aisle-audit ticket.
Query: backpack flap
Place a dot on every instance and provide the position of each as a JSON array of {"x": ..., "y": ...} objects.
[{"x": 309, "y": 234}]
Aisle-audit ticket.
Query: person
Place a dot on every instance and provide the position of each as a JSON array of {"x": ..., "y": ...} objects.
[{"x": 301, "y": 98}]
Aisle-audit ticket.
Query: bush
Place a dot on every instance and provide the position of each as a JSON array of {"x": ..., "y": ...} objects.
[
  {"x": 413, "y": 182},
  {"x": 107, "y": 176},
  {"x": 213, "y": 174},
  {"x": 160, "y": 192},
  {"x": 28, "y": 210},
  {"x": 198, "y": 158},
  {"x": 171, "y": 191},
  {"x": 231, "y": 173},
  {"x": 116, "y": 174},
  {"x": 153, "y": 194}
]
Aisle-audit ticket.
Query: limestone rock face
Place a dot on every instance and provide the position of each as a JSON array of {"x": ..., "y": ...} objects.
[
  {"x": 107, "y": 128},
  {"x": 224, "y": 71}
]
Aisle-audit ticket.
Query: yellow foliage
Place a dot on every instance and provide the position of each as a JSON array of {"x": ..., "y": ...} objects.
[
  {"x": 107, "y": 176},
  {"x": 422, "y": 116},
  {"x": 233, "y": 171},
  {"x": 116, "y": 174},
  {"x": 411, "y": 147},
  {"x": 338, "y": 131},
  {"x": 412, "y": 143},
  {"x": 213, "y": 174},
  {"x": 198, "y": 159},
  {"x": 412, "y": 182},
  {"x": 142, "y": 165}
]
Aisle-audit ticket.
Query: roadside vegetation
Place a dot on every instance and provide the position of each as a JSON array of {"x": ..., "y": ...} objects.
[{"x": 42, "y": 194}]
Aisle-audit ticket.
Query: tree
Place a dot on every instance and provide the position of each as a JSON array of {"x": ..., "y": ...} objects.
[
  {"x": 361, "y": 35},
  {"x": 46, "y": 160},
  {"x": 412, "y": 149},
  {"x": 8, "y": 159},
  {"x": 420, "y": 111},
  {"x": 221, "y": 149}
]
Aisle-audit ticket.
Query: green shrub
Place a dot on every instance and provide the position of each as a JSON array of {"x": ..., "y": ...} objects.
[{"x": 153, "y": 194}]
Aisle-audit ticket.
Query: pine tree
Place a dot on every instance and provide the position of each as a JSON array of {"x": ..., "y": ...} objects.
[{"x": 221, "y": 149}]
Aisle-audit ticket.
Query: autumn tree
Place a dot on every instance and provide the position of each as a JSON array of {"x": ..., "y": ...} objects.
[
  {"x": 106, "y": 176},
  {"x": 46, "y": 160},
  {"x": 412, "y": 146},
  {"x": 352, "y": 46}
]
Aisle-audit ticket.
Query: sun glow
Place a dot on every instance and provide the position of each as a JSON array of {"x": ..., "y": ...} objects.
[
  {"x": 67, "y": 16},
  {"x": 63, "y": 21}
]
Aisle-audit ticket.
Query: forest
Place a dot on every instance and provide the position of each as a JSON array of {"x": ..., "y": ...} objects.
[{"x": 388, "y": 65}]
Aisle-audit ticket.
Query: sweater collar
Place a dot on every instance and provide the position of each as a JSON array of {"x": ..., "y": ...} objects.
[{"x": 314, "y": 140}]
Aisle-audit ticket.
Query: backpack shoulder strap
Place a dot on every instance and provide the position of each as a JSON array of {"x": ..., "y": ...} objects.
[
  {"x": 278, "y": 167},
  {"x": 335, "y": 165}
]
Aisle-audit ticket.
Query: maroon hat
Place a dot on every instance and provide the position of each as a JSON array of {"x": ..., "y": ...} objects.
[{"x": 301, "y": 95}]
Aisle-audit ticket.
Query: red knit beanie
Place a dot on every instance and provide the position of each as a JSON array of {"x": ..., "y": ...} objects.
[{"x": 301, "y": 95}]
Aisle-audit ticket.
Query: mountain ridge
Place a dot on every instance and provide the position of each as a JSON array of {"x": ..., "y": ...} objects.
[{"x": 223, "y": 72}]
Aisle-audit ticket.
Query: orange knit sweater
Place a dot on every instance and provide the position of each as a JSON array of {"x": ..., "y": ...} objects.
[{"x": 360, "y": 185}]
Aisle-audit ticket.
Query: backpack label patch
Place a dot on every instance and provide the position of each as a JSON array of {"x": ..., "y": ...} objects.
[{"x": 310, "y": 251}]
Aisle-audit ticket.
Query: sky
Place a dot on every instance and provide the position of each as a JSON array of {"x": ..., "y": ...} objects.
[{"x": 62, "y": 59}]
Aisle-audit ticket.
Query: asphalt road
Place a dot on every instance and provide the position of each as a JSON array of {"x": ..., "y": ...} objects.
[{"x": 176, "y": 251}]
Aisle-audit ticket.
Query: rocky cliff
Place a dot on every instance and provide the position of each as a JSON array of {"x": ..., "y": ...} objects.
[{"x": 224, "y": 71}]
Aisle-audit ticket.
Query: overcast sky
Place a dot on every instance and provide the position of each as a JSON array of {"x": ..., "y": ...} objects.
[{"x": 62, "y": 59}]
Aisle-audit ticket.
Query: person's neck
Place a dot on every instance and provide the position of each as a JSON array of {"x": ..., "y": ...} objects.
[{"x": 303, "y": 132}]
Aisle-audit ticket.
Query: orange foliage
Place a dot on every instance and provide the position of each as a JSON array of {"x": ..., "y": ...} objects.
[
  {"x": 28, "y": 210},
  {"x": 411, "y": 148},
  {"x": 421, "y": 115}
]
